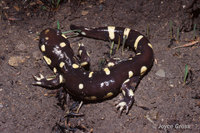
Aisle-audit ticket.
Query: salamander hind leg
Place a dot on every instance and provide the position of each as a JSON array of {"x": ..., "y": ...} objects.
[
  {"x": 84, "y": 56},
  {"x": 48, "y": 82},
  {"x": 128, "y": 88}
]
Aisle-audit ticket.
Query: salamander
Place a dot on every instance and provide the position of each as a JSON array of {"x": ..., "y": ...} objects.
[{"x": 118, "y": 76}]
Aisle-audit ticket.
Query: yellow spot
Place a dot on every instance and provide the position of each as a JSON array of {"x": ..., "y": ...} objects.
[
  {"x": 80, "y": 86},
  {"x": 108, "y": 95},
  {"x": 54, "y": 70},
  {"x": 46, "y": 38},
  {"x": 111, "y": 31},
  {"x": 62, "y": 44},
  {"x": 61, "y": 79},
  {"x": 130, "y": 74},
  {"x": 110, "y": 64},
  {"x": 61, "y": 64},
  {"x": 138, "y": 54},
  {"x": 93, "y": 97},
  {"x": 90, "y": 74},
  {"x": 130, "y": 58},
  {"x": 75, "y": 66},
  {"x": 48, "y": 60},
  {"x": 143, "y": 70},
  {"x": 137, "y": 41},
  {"x": 84, "y": 63},
  {"x": 126, "y": 32},
  {"x": 64, "y": 36},
  {"x": 149, "y": 44},
  {"x": 107, "y": 71},
  {"x": 46, "y": 31},
  {"x": 43, "y": 48},
  {"x": 87, "y": 98}
]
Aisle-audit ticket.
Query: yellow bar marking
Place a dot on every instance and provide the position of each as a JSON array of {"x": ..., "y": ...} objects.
[
  {"x": 130, "y": 58},
  {"x": 64, "y": 36},
  {"x": 137, "y": 41},
  {"x": 126, "y": 81},
  {"x": 90, "y": 74},
  {"x": 149, "y": 44},
  {"x": 143, "y": 70},
  {"x": 54, "y": 70},
  {"x": 48, "y": 60},
  {"x": 130, "y": 74},
  {"x": 61, "y": 80},
  {"x": 107, "y": 71},
  {"x": 123, "y": 92},
  {"x": 46, "y": 31},
  {"x": 108, "y": 95},
  {"x": 80, "y": 52},
  {"x": 75, "y": 66},
  {"x": 42, "y": 47},
  {"x": 93, "y": 97},
  {"x": 84, "y": 63},
  {"x": 111, "y": 31},
  {"x": 126, "y": 32}
]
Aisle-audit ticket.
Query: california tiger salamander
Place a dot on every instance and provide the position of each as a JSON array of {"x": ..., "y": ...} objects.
[{"x": 119, "y": 75}]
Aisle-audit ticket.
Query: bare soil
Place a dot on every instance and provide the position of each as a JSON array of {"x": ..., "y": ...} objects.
[{"x": 163, "y": 102}]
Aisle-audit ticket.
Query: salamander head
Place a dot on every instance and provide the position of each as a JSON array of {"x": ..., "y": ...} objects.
[
  {"x": 51, "y": 37},
  {"x": 55, "y": 47}
]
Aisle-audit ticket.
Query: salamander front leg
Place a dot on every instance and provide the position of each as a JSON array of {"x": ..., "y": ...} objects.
[
  {"x": 128, "y": 88},
  {"x": 84, "y": 56},
  {"x": 48, "y": 82}
]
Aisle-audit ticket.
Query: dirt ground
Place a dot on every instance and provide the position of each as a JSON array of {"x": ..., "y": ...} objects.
[{"x": 163, "y": 102}]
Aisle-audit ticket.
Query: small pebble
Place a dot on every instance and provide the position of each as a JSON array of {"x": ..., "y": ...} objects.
[
  {"x": 160, "y": 73},
  {"x": 16, "y": 60},
  {"x": 37, "y": 55},
  {"x": 21, "y": 46}
]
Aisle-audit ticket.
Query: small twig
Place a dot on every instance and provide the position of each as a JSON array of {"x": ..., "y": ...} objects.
[{"x": 187, "y": 44}]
